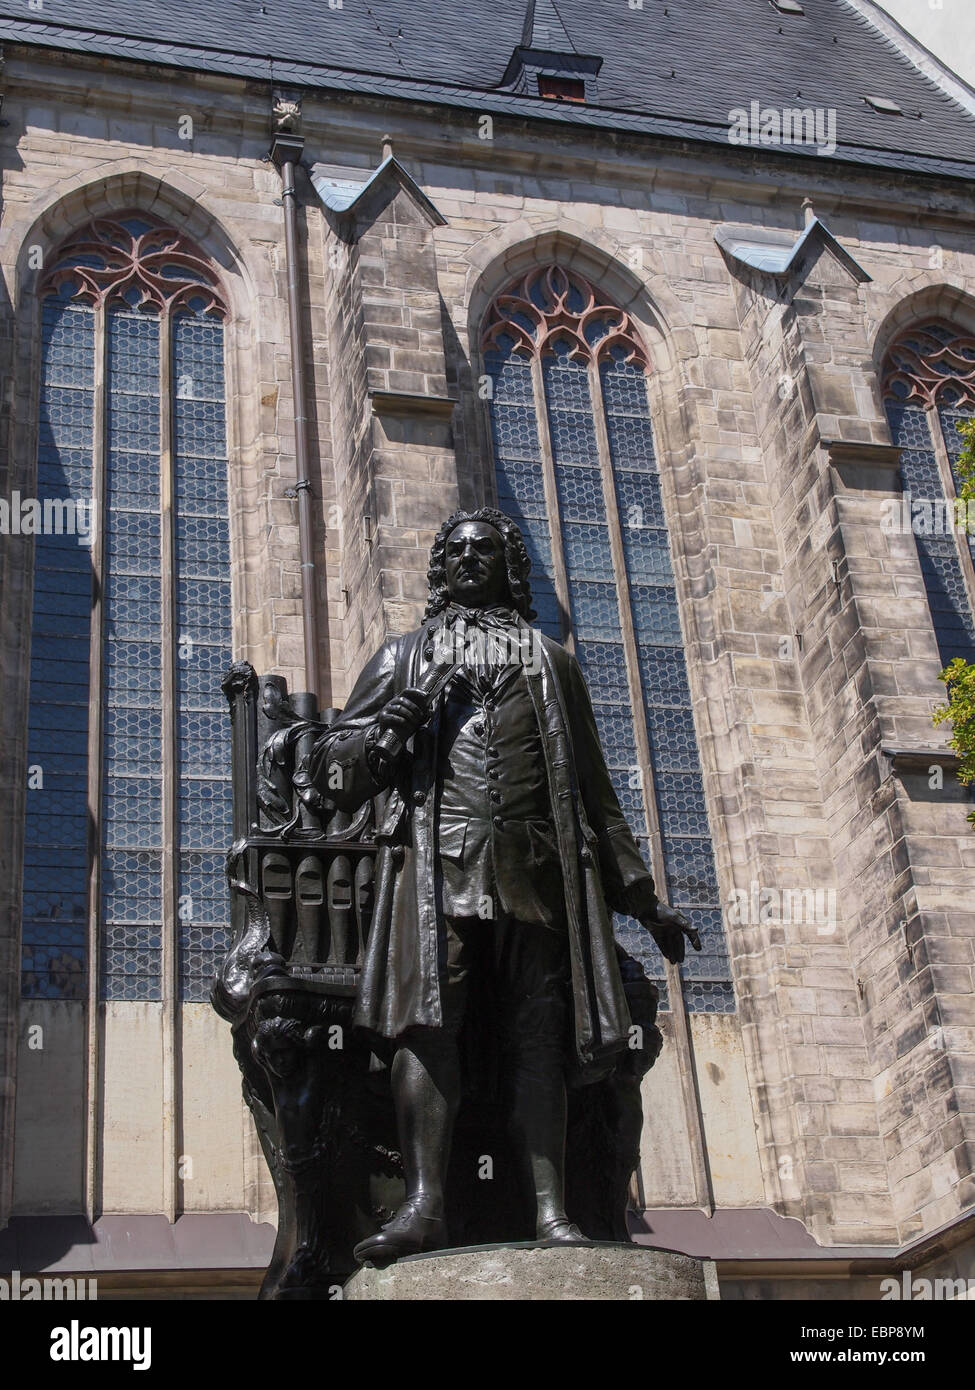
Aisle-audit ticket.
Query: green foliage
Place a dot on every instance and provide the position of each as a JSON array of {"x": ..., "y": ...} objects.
[
  {"x": 966, "y": 463},
  {"x": 959, "y": 676}
]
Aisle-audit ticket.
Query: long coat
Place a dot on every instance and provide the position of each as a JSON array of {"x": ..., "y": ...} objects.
[{"x": 602, "y": 867}]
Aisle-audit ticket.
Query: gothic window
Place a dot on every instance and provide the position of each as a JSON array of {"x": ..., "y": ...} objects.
[
  {"x": 929, "y": 387},
  {"x": 576, "y": 468},
  {"x": 128, "y": 807}
]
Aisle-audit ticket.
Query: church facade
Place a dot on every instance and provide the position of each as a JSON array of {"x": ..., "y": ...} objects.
[{"x": 697, "y": 309}]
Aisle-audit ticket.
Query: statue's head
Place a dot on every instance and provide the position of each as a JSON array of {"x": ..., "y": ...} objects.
[{"x": 478, "y": 559}]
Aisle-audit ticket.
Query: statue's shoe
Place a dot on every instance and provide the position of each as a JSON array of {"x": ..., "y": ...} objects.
[
  {"x": 561, "y": 1231},
  {"x": 409, "y": 1232}
]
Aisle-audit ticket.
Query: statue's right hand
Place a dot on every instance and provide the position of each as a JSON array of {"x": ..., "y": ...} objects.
[{"x": 404, "y": 713}]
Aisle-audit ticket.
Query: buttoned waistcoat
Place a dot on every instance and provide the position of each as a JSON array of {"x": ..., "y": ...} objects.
[{"x": 497, "y": 853}]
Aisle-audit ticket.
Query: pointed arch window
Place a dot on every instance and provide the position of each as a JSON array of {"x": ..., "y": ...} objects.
[
  {"x": 576, "y": 467},
  {"x": 128, "y": 807},
  {"x": 929, "y": 389}
]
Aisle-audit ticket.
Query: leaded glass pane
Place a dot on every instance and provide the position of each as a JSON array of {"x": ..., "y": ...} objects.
[
  {"x": 944, "y": 582},
  {"x": 130, "y": 815},
  {"x": 521, "y": 487},
  {"x": 55, "y": 882},
  {"x": 570, "y": 422},
  {"x": 951, "y": 415},
  {"x": 595, "y": 616},
  {"x": 681, "y": 811},
  {"x": 203, "y": 648},
  {"x": 131, "y": 810}
]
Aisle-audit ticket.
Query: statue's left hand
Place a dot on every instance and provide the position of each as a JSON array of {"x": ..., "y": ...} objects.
[{"x": 669, "y": 928}]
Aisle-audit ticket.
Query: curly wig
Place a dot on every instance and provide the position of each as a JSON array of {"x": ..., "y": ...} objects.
[{"x": 515, "y": 555}]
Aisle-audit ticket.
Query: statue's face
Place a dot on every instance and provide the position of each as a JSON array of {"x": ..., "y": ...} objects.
[{"x": 476, "y": 572}]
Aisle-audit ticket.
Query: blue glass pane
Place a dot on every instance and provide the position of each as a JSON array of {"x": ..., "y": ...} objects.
[
  {"x": 131, "y": 811},
  {"x": 691, "y": 881},
  {"x": 570, "y": 420},
  {"x": 511, "y": 379},
  {"x": 615, "y": 725},
  {"x": 655, "y": 617},
  {"x": 944, "y": 583},
  {"x": 604, "y": 667},
  {"x": 595, "y": 611},
  {"x": 581, "y": 495},
  {"x": 596, "y": 623},
  {"x": 706, "y": 997},
  {"x": 587, "y": 552},
  {"x": 521, "y": 488},
  {"x": 203, "y": 652},
  {"x": 624, "y": 392},
  {"x": 55, "y": 878},
  {"x": 631, "y": 441}
]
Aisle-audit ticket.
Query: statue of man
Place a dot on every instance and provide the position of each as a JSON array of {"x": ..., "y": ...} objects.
[{"x": 503, "y": 852}]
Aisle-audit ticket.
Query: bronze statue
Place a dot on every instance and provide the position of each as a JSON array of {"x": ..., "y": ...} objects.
[{"x": 502, "y": 854}]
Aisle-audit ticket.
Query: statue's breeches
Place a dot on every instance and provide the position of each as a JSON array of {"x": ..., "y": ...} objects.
[{"x": 520, "y": 976}]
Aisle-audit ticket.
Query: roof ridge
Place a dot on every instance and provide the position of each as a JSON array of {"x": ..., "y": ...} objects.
[{"x": 543, "y": 26}]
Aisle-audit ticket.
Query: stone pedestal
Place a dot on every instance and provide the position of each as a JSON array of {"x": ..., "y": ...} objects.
[{"x": 601, "y": 1271}]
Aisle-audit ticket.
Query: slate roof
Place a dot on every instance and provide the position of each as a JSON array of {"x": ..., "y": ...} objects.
[{"x": 673, "y": 69}]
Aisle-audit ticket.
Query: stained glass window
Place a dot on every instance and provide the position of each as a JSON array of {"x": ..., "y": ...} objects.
[
  {"x": 929, "y": 388},
  {"x": 131, "y": 633},
  {"x": 576, "y": 468}
]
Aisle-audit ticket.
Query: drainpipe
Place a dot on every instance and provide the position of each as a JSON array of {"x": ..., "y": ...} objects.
[{"x": 286, "y": 150}]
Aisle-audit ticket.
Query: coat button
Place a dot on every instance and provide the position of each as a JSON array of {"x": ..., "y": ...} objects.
[
  {"x": 428, "y": 652},
  {"x": 495, "y": 794},
  {"x": 494, "y": 774},
  {"x": 479, "y": 730},
  {"x": 497, "y": 822},
  {"x": 419, "y": 798},
  {"x": 585, "y": 856}
]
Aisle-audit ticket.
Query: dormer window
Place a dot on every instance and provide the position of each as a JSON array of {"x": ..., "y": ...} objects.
[
  {"x": 554, "y": 76},
  {"x": 561, "y": 88}
]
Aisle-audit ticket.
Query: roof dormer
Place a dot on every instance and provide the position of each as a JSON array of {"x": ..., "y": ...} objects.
[{"x": 547, "y": 64}]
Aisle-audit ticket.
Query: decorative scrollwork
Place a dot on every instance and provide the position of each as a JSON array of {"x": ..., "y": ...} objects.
[
  {"x": 251, "y": 958},
  {"x": 138, "y": 259},
  {"x": 931, "y": 365},
  {"x": 279, "y": 768},
  {"x": 552, "y": 304}
]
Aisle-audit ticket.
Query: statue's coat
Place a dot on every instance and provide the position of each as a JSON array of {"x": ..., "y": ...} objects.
[{"x": 602, "y": 867}]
